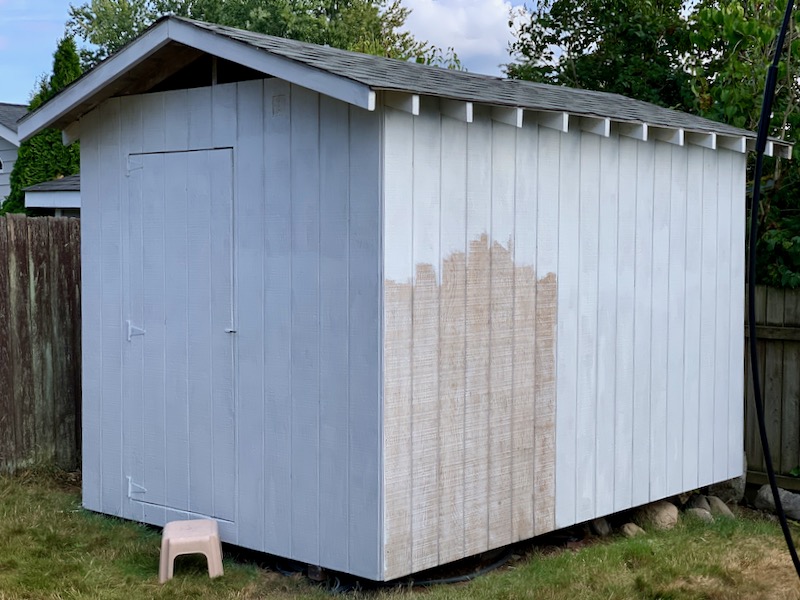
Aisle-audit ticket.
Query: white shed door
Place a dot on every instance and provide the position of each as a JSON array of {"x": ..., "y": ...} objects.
[{"x": 179, "y": 340}]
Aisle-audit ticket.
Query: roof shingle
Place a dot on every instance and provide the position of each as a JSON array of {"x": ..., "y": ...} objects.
[{"x": 10, "y": 114}]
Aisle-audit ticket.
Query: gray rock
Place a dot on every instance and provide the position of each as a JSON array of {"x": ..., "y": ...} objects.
[
  {"x": 790, "y": 502},
  {"x": 600, "y": 527},
  {"x": 719, "y": 508},
  {"x": 630, "y": 530},
  {"x": 660, "y": 514},
  {"x": 698, "y": 501},
  {"x": 701, "y": 514},
  {"x": 731, "y": 491}
]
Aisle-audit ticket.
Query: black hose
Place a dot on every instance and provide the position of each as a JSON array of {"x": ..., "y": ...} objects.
[{"x": 761, "y": 143}]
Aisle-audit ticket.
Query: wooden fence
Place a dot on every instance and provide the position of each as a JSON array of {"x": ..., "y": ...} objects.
[
  {"x": 40, "y": 371},
  {"x": 778, "y": 337}
]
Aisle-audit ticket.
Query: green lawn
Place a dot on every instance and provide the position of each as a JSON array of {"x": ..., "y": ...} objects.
[{"x": 51, "y": 548}]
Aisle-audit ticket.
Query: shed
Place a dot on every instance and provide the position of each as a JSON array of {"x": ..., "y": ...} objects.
[
  {"x": 59, "y": 197},
  {"x": 377, "y": 316}
]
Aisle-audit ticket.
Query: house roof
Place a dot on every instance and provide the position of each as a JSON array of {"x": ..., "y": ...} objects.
[
  {"x": 173, "y": 42},
  {"x": 9, "y": 115},
  {"x": 71, "y": 183}
]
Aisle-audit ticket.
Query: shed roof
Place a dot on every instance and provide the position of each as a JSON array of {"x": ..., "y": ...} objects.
[
  {"x": 173, "y": 42},
  {"x": 9, "y": 115},
  {"x": 70, "y": 183}
]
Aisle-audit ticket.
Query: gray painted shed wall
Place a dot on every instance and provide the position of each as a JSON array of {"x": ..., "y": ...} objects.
[
  {"x": 8, "y": 156},
  {"x": 306, "y": 414}
]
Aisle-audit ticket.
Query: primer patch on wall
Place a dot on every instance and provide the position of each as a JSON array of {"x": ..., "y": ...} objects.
[{"x": 469, "y": 437}]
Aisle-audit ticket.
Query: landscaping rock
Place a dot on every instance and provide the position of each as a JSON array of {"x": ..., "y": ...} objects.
[
  {"x": 700, "y": 513},
  {"x": 630, "y": 530},
  {"x": 790, "y": 502},
  {"x": 600, "y": 527},
  {"x": 719, "y": 508},
  {"x": 731, "y": 491},
  {"x": 660, "y": 514},
  {"x": 698, "y": 501}
]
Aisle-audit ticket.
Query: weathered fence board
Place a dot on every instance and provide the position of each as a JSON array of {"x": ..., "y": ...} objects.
[
  {"x": 39, "y": 342},
  {"x": 778, "y": 336}
]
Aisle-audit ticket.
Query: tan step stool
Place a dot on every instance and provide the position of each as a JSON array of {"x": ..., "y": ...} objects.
[{"x": 199, "y": 536}]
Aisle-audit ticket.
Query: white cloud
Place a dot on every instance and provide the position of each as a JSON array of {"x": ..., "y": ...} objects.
[{"x": 477, "y": 29}]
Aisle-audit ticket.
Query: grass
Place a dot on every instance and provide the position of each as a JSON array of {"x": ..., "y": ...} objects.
[{"x": 52, "y": 549}]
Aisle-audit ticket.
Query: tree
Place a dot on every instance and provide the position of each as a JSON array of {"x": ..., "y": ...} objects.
[
  {"x": 629, "y": 47},
  {"x": 373, "y": 26},
  {"x": 733, "y": 43},
  {"x": 44, "y": 156}
]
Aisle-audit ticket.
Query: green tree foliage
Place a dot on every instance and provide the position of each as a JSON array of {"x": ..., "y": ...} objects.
[
  {"x": 629, "y": 47},
  {"x": 44, "y": 156},
  {"x": 373, "y": 26},
  {"x": 733, "y": 44}
]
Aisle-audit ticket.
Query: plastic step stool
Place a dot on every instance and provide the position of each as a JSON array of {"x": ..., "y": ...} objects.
[{"x": 200, "y": 536}]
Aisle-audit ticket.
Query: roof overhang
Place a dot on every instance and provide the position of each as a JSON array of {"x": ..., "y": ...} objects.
[
  {"x": 165, "y": 48},
  {"x": 9, "y": 134}
]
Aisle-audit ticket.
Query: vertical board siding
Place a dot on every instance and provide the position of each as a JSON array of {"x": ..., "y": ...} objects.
[
  {"x": 334, "y": 339},
  {"x": 284, "y": 468},
  {"x": 605, "y": 425},
  {"x": 397, "y": 305},
  {"x": 676, "y": 345},
  {"x": 501, "y": 335},
  {"x": 462, "y": 343},
  {"x": 693, "y": 317},
  {"x": 276, "y": 313},
  {"x": 476, "y": 349},
  {"x": 39, "y": 340},
  {"x": 624, "y": 350},
  {"x": 305, "y": 227},
  {"x": 364, "y": 318},
  {"x": 586, "y": 416},
  {"x": 708, "y": 332},
  {"x": 425, "y": 340},
  {"x": 250, "y": 323},
  {"x": 525, "y": 339},
  {"x": 640, "y": 468},
  {"x": 452, "y": 307},
  {"x": 736, "y": 422},
  {"x": 659, "y": 322},
  {"x": 568, "y": 272},
  {"x": 111, "y": 306},
  {"x": 570, "y": 254},
  {"x": 547, "y": 231}
]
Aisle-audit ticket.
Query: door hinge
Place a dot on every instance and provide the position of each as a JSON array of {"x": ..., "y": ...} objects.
[
  {"x": 132, "y": 330},
  {"x": 134, "y": 488}
]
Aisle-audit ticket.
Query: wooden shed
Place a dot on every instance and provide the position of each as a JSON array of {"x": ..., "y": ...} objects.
[{"x": 377, "y": 316}]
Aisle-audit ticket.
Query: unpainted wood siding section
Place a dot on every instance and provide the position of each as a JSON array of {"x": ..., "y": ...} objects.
[
  {"x": 307, "y": 290},
  {"x": 650, "y": 306},
  {"x": 469, "y": 348},
  {"x": 8, "y": 156}
]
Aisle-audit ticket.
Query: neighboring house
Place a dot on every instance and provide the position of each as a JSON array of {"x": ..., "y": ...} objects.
[
  {"x": 59, "y": 197},
  {"x": 9, "y": 144},
  {"x": 377, "y": 316}
]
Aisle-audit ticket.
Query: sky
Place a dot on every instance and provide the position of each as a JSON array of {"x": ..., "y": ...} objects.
[{"x": 29, "y": 30}]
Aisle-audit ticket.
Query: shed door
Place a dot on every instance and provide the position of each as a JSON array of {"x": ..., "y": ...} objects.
[{"x": 179, "y": 343}]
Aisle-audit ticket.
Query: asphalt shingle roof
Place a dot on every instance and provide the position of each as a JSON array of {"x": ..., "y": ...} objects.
[
  {"x": 71, "y": 183},
  {"x": 382, "y": 73},
  {"x": 10, "y": 114}
]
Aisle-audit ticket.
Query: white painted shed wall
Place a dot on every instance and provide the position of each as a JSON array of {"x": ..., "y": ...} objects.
[
  {"x": 303, "y": 474},
  {"x": 646, "y": 243},
  {"x": 8, "y": 156}
]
